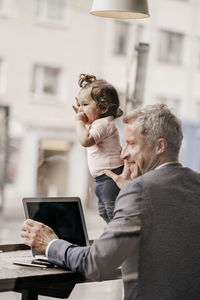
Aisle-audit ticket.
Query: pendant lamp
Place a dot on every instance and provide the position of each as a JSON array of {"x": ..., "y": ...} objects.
[{"x": 120, "y": 9}]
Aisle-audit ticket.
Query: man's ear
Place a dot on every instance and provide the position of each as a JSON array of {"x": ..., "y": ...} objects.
[{"x": 161, "y": 146}]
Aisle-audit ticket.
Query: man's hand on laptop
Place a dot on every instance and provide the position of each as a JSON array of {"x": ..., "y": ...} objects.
[{"x": 37, "y": 235}]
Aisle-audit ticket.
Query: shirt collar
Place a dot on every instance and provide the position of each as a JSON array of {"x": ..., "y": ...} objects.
[{"x": 165, "y": 164}]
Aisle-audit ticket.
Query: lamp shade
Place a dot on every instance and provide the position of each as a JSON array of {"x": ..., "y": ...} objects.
[{"x": 120, "y": 9}]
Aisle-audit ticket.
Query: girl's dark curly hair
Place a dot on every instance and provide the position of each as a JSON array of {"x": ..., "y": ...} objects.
[{"x": 103, "y": 93}]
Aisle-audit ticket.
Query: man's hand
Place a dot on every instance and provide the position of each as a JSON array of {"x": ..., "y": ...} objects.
[
  {"x": 130, "y": 172},
  {"x": 135, "y": 171},
  {"x": 37, "y": 235},
  {"x": 122, "y": 179}
]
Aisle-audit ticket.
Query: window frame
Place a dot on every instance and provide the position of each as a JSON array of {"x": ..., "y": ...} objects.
[
  {"x": 4, "y": 11},
  {"x": 45, "y": 20},
  {"x": 38, "y": 95},
  {"x": 115, "y": 50},
  {"x": 164, "y": 43}
]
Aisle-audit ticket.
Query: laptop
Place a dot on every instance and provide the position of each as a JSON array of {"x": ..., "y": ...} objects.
[{"x": 64, "y": 215}]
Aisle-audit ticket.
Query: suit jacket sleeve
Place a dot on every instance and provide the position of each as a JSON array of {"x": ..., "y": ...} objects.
[{"x": 118, "y": 243}]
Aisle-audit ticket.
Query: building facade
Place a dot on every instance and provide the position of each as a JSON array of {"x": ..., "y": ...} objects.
[{"x": 46, "y": 44}]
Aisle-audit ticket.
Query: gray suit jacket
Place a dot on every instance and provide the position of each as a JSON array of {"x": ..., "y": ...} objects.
[{"x": 165, "y": 203}]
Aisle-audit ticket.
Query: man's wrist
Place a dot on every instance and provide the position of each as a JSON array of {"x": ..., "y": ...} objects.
[{"x": 48, "y": 246}]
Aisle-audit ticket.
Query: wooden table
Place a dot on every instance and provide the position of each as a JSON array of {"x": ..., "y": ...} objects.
[{"x": 33, "y": 281}]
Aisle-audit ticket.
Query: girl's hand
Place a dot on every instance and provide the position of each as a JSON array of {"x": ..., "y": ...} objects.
[{"x": 80, "y": 116}]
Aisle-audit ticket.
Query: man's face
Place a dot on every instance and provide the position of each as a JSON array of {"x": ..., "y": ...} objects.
[{"x": 137, "y": 150}]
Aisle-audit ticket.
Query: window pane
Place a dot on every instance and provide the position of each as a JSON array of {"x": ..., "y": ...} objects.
[
  {"x": 45, "y": 80},
  {"x": 1, "y": 4},
  {"x": 121, "y": 37},
  {"x": 41, "y": 8},
  {"x": 56, "y": 9},
  {"x": 51, "y": 76},
  {"x": 51, "y": 10},
  {"x": 171, "y": 47}
]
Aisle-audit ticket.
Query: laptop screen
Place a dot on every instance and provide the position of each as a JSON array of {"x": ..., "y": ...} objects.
[{"x": 63, "y": 217}]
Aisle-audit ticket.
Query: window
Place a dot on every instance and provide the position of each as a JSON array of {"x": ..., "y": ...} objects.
[
  {"x": 51, "y": 11},
  {"x": 120, "y": 38},
  {"x": 1, "y": 4},
  {"x": 4, "y": 7},
  {"x": 46, "y": 81},
  {"x": 171, "y": 47}
]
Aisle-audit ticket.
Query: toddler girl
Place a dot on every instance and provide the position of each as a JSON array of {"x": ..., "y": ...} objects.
[{"x": 97, "y": 107}]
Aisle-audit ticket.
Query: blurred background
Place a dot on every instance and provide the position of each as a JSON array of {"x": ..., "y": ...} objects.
[{"x": 45, "y": 45}]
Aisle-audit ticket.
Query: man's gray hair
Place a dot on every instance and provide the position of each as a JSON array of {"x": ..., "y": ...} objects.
[{"x": 157, "y": 121}]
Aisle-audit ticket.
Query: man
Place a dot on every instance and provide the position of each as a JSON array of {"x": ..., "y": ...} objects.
[{"x": 164, "y": 202}]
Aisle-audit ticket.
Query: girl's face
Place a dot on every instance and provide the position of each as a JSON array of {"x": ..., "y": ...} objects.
[{"x": 87, "y": 105}]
